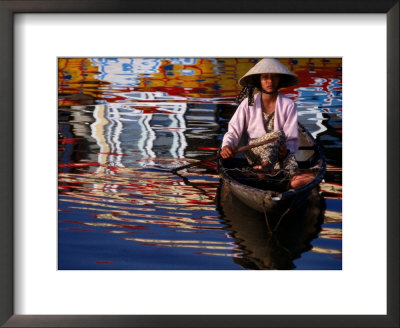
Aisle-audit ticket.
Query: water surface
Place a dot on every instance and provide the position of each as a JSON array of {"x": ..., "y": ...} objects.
[{"x": 125, "y": 122}]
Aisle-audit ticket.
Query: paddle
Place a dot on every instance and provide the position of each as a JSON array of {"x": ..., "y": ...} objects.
[{"x": 213, "y": 158}]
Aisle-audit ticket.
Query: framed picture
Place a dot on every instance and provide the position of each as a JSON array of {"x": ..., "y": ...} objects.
[{"x": 208, "y": 302}]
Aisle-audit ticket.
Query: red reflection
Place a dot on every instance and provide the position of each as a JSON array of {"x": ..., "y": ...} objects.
[
  {"x": 69, "y": 140},
  {"x": 207, "y": 148},
  {"x": 78, "y": 164}
]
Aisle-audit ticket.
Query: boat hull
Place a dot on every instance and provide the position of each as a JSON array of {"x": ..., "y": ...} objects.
[{"x": 267, "y": 200}]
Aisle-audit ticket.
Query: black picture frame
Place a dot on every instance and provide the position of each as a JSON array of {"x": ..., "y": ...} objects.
[{"x": 7, "y": 11}]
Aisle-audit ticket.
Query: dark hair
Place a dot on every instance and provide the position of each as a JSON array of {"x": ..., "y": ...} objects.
[
  {"x": 254, "y": 82},
  {"x": 257, "y": 82}
]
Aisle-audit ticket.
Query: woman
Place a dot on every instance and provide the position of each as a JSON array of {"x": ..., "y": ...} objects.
[{"x": 266, "y": 115}]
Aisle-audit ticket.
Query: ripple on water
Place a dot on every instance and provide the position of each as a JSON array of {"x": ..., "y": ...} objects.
[{"x": 125, "y": 122}]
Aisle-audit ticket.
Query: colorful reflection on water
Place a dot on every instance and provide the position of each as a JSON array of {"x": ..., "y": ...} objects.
[{"x": 124, "y": 123}]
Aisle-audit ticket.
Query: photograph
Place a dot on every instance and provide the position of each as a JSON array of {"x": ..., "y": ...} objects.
[
  {"x": 188, "y": 164},
  {"x": 199, "y": 163}
]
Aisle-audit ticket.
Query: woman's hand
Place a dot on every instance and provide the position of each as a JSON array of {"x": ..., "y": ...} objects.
[
  {"x": 226, "y": 152},
  {"x": 283, "y": 152}
]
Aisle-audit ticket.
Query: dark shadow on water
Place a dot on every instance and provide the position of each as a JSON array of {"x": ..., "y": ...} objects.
[{"x": 262, "y": 250}]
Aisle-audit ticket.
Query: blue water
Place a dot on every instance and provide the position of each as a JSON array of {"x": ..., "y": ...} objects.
[{"x": 125, "y": 123}]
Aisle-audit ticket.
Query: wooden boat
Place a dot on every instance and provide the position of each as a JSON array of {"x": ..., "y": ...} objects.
[
  {"x": 257, "y": 248},
  {"x": 272, "y": 195}
]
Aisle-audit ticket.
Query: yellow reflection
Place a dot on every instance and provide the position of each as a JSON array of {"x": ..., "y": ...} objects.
[
  {"x": 200, "y": 78},
  {"x": 184, "y": 243},
  {"x": 332, "y": 216},
  {"x": 164, "y": 241},
  {"x": 325, "y": 250},
  {"x": 221, "y": 254},
  {"x": 332, "y": 188},
  {"x": 134, "y": 196}
]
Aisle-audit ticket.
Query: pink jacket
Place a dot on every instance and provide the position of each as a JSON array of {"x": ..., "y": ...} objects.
[{"x": 248, "y": 122}]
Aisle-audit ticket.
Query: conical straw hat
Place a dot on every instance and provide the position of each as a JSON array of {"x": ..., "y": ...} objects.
[{"x": 268, "y": 65}]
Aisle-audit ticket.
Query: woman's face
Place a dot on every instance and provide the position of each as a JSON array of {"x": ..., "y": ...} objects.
[{"x": 270, "y": 82}]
